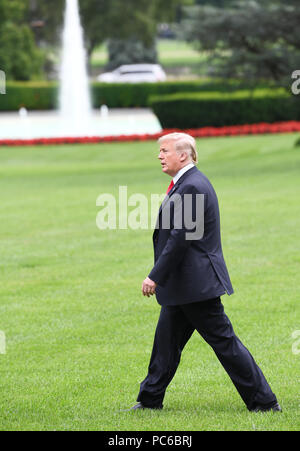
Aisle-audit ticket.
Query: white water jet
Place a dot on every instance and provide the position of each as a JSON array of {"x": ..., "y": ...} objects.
[{"x": 74, "y": 97}]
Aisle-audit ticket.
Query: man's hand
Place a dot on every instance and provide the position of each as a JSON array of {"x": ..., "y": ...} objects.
[{"x": 148, "y": 287}]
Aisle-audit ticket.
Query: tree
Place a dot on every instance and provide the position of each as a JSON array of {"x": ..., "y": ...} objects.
[
  {"x": 45, "y": 20},
  {"x": 252, "y": 40},
  {"x": 129, "y": 51},
  {"x": 19, "y": 57},
  {"x": 118, "y": 20},
  {"x": 218, "y": 3},
  {"x": 132, "y": 32},
  {"x": 124, "y": 20}
]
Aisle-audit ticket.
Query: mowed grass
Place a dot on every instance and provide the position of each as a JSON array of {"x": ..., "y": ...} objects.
[
  {"x": 171, "y": 52},
  {"x": 78, "y": 331}
]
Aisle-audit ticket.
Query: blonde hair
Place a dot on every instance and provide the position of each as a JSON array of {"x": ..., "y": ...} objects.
[{"x": 183, "y": 143}]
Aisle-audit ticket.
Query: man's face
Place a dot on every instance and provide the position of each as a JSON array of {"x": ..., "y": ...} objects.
[{"x": 170, "y": 160}]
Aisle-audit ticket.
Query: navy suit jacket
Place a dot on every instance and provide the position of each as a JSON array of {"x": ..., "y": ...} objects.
[{"x": 185, "y": 270}]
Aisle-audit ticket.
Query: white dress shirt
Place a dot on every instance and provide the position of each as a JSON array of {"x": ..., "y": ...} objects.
[{"x": 182, "y": 171}]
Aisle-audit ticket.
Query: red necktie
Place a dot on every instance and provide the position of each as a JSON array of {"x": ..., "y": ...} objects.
[{"x": 170, "y": 187}]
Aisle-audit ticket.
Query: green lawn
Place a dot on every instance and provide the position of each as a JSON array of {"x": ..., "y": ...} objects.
[
  {"x": 170, "y": 53},
  {"x": 178, "y": 53},
  {"x": 78, "y": 331}
]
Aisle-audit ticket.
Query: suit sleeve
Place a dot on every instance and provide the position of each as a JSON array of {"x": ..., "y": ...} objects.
[{"x": 177, "y": 244}]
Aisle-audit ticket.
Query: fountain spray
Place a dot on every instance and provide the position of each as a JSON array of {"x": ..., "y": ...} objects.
[{"x": 74, "y": 95}]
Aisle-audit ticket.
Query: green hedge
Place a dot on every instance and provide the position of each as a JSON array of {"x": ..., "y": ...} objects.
[
  {"x": 43, "y": 95},
  {"x": 193, "y": 110},
  {"x": 120, "y": 95},
  {"x": 32, "y": 95}
]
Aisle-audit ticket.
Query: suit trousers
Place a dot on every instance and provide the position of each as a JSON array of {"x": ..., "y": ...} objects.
[{"x": 175, "y": 326}]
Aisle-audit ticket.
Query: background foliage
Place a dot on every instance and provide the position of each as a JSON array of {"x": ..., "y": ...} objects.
[
  {"x": 253, "y": 40},
  {"x": 19, "y": 55},
  {"x": 42, "y": 95},
  {"x": 219, "y": 109}
]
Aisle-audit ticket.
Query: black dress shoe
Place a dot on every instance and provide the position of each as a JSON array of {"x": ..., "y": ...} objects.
[
  {"x": 140, "y": 406},
  {"x": 275, "y": 408}
]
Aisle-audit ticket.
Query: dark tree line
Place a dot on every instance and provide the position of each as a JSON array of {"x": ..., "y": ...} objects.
[
  {"x": 248, "y": 39},
  {"x": 121, "y": 22},
  {"x": 29, "y": 29}
]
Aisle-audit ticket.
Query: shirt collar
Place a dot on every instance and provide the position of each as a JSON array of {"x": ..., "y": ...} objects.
[{"x": 182, "y": 171}]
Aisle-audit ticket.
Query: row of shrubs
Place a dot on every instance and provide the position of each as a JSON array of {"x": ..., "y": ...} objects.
[
  {"x": 176, "y": 104},
  {"x": 44, "y": 95},
  {"x": 193, "y": 110}
]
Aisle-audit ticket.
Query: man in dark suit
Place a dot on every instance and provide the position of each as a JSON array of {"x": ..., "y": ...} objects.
[{"x": 188, "y": 277}]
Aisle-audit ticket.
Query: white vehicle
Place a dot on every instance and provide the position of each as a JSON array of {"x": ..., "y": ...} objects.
[{"x": 134, "y": 73}]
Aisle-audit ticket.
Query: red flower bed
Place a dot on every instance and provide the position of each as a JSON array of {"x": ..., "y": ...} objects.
[{"x": 204, "y": 132}]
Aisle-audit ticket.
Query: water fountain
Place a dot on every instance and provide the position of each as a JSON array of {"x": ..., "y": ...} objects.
[
  {"x": 74, "y": 96},
  {"x": 75, "y": 116}
]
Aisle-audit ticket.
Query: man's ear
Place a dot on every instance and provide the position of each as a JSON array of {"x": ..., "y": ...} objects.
[{"x": 183, "y": 156}]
